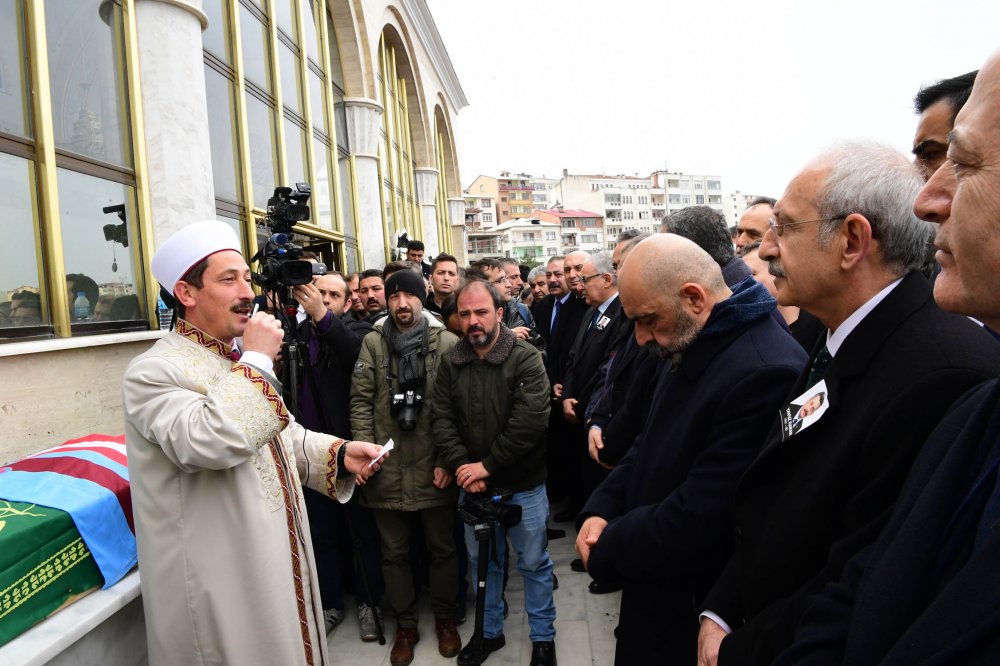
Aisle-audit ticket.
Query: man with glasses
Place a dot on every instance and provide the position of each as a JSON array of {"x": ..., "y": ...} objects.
[
  {"x": 604, "y": 326},
  {"x": 844, "y": 244}
]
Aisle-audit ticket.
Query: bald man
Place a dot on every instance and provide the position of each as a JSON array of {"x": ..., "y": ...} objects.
[{"x": 660, "y": 523}]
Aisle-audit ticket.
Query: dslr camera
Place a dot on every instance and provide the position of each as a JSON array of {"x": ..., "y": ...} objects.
[
  {"x": 490, "y": 508},
  {"x": 405, "y": 407}
]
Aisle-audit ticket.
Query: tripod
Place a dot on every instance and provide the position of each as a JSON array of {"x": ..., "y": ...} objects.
[{"x": 485, "y": 534}]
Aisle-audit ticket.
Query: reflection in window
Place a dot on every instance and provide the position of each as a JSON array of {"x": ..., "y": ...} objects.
[
  {"x": 291, "y": 88},
  {"x": 221, "y": 127},
  {"x": 260, "y": 128},
  {"x": 85, "y": 56},
  {"x": 295, "y": 153},
  {"x": 215, "y": 36},
  {"x": 98, "y": 248},
  {"x": 13, "y": 106},
  {"x": 253, "y": 34},
  {"x": 322, "y": 186},
  {"x": 18, "y": 252}
]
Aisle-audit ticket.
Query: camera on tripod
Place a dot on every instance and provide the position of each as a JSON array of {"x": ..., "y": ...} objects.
[
  {"x": 490, "y": 508},
  {"x": 281, "y": 263}
]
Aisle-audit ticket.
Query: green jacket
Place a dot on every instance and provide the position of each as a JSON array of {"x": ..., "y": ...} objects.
[
  {"x": 405, "y": 482},
  {"x": 494, "y": 410}
]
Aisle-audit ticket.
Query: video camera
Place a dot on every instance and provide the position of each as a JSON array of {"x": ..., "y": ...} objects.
[
  {"x": 281, "y": 263},
  {"x": 490, "y": 508}
]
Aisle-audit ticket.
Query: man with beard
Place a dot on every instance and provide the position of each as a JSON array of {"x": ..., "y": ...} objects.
[
  {"x": 491, "y": 406},
  {"x": 660, "y": 524},
  {"x": 371, "y": 291},
  {"x": 217, "y": 464},
  {"x": 393, "y": 378}
]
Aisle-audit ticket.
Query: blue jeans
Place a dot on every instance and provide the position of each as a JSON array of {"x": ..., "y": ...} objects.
[{"x": 527, "y": 539}]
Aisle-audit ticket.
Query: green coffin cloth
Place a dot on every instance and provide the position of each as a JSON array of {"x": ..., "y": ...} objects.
[{"x": 44, "y": 565}]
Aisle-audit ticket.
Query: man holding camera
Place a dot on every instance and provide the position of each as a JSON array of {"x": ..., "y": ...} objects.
[
  {"x": 217, "y": 463},
  {"x": 491, "y": 408},
  {"x": 394, "y": 375}
]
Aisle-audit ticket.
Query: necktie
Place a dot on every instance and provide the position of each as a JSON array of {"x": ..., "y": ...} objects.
[
  {"x": 819, "y": 367},
  {"x": 555, "y": 318},
  {"x": 594, "y": 320}
]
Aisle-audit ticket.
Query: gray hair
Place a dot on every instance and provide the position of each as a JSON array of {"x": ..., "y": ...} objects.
[
  {"x": 603, "y": 264},
  {"x": 535, "y": 272},
  {"x": 879, "y": 182}
]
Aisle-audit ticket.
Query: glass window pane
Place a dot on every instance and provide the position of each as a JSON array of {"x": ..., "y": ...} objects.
[
  {"x": 295, "y": 153},
  {"x": 18, "y": 252},
  {"x": 215, "y": 38},
  {"x": 291, "y": 88},
  {"x": 256, "y": 65},
  {"x": 336, "y": 72},
  {"x": 14, "y": 118},
  {"x": 311, "y": 39},
  {"x": 340, "y": 117},
  {"x": 317, "y": 101},
  {"x": 347, "y": 201},
  {"x": 260, "y": 128},
  {"x": 322, "y": 186},
  {"x": 283, "y": 14},
  {"x": 97, "y": 248},
  {"x": 89, "y": 103},
  {"x": 221, "y": 128}
]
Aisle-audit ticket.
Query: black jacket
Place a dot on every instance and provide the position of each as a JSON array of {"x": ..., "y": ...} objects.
[
  {"x": 557, "y": 346},
  {"x": 591, "y": 349},
  {"x": 923, "y": 593},
  {"x": 668, "y": 501},
  {"x": 807, "y": 504}
]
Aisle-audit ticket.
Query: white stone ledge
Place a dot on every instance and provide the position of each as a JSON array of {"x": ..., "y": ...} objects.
[
  {"x": 60, "y": 344},
  {"x": 50, "y": 637}
]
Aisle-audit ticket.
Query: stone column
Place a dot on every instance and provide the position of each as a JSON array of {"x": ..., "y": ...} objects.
[
  {"x": 175, "y": 113},
  {"x": 427, "y": 182},
  {"x": 456, "y": 220},
  {"x": 364, "y": 118}
]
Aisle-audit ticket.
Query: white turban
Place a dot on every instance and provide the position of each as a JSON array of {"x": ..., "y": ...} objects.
[{"x": 197, "y": 241}]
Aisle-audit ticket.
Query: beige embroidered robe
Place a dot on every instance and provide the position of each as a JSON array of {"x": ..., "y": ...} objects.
[{"x": 216, "y": 462}]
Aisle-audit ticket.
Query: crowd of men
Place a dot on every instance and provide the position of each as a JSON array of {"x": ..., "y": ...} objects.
[{"x": 781, "y": 442}]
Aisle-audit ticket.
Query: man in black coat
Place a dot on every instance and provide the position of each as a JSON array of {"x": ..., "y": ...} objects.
[
  {"x": 928, "y": 591},
  {"x": 846, "y": 246},
  {"x": 557, "y": 320},
  {"x": 660, "y": 524},
  {"x": 602, "y": 330}
]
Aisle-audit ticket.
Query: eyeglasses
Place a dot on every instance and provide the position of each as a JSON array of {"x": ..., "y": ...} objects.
[
  {"x": 779, "y": 229},
  {"x": 500, "y": 279},
  {"x": 584, "y": 278}
]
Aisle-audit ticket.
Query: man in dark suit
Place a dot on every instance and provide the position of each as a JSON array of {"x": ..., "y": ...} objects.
[
  {"x": 928, "y": 591},
  {"x": 603, "y": 328},
  {"x": 845, "y": 245},
  {"x": 660, "y": 523},
  {"x": 557, "y": 319}
]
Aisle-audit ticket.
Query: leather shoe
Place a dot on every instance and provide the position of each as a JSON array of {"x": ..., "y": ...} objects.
[
  {"x": 402, "y": 647},
  {"x": 469, "y": 656},
  {"x": 551, "y": 534},
  {"x": 543, "y": 653},
  {"x": 449, "y": 642},
  {"x": 555, "y": 582},
  {"x": 577, "y": 566},
  {"x": 602, "y": 588}
]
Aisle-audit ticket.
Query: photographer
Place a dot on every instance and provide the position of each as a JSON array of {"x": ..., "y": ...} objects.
[
  {"x": 393, "y": 378},
  {"x": 491, "y": 408}
]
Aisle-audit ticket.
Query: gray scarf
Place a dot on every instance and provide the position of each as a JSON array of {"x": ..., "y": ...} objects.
[{"x": 410, "y": 346}]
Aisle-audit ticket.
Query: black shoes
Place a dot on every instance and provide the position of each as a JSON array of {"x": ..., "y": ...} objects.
[
  {"x": 469, "y": 656},
  {"x": 565, "y": 516},
  {"x": 552, "y": 533},
  {"x": 543, "y": 653},
  {"x": 577, "y": 566},
  {"x": 602, "y": 588}
]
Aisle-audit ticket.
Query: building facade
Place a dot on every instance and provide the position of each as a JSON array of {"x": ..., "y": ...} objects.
[
  {"x": 528, "y": 240},
  {"x": 123, "y": 121}
]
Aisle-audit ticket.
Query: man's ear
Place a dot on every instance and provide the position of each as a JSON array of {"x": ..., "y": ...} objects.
[
  {"x": 185, "y": 293},
  {"x": 855, "y": 240},
  {"x": 694, "y": 298}
]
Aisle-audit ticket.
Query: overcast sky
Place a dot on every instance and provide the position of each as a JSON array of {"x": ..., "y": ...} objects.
[{"x": 748, "y": 90}]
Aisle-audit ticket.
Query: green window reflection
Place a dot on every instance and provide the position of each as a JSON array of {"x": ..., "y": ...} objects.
[
  {"x": 89, "y": 101},
  {"x": 19, "y": 270},
  {"x": 98, "y": 248}
]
